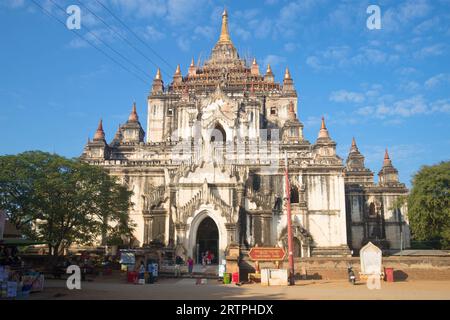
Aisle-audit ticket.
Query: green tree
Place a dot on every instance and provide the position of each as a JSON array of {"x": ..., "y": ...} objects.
[
  {"x": 429, "y": 204},
  {"x": 62, "y": 201}
]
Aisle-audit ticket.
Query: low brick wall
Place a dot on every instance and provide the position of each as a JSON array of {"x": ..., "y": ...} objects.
[{"x": 405, "y": 268}]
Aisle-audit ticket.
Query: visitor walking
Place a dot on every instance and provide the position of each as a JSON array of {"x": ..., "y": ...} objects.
[
  {"x": 190, "y": 263},
  {"x": 178, "y": 263},
  {"x": 142, "y": 271}
]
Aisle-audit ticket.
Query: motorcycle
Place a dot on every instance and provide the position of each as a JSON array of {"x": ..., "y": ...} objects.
[{"x": 351, "y": 275}]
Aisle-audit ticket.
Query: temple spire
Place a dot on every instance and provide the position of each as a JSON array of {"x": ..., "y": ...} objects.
[
  {"x": 224, "y": 34},
  {"x": 158, "y": 75},
  {"x": 287, "y": 74},
  {"x": 99, "y": 134},
  {"x": 387, "y": 161},
  {"x": 192, "y": 69},
  {"x": 133, "y": 115},
  {"x": 269, "y": 77},
  {"x": 354, "y": 147},
  {"x": 255, "y": 68},
  {"x": 177, "y": 77},
  {"x": 158, "y": 84},
  {"x": 323, "y": 133}
]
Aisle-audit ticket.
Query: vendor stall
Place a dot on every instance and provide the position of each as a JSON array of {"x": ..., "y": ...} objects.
[{"x": 17, "y": 280}]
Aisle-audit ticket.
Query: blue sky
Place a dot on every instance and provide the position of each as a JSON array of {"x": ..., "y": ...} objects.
[{"x": 387, "y": 88}]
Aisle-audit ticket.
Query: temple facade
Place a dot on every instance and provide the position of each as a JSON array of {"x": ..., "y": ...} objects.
[{"x": 209, "y": 170}]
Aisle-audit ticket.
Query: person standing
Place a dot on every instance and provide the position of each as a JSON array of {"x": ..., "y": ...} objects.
[
  {"x": 178, "y": 262},
  {"x": 190, "y": 263},
  {"x": 203, "y": 258},
  {"x": 142, "y": 271}
]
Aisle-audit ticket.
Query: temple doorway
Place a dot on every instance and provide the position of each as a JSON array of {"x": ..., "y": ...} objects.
[
  {"x": 218, "y": 134},
  {"x": 208, "y": 240}
]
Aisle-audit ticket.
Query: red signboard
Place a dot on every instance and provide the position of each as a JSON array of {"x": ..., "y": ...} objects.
[{"x": 266, "y": 254}]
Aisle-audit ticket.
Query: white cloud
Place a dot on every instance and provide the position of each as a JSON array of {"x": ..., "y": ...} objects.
[
  {"x": 431, "y": 51},
  {"x": 400, "y": 17},
  {"x": 343, "y": 57},
  {"x": 290, "y": 46},
  {"x": 406, "y": 71},
  {"x": 442, "y": 105},
  {"x": 242, "y": 33},
  {"x": 416, "y": 105},
  {"x": 183, "y": 43},
  {"x": 14, "y": 3},
  {"x": 427, "y": 25},
  {"x": 151, "y": 33},
  {"x": 182, "y": 12},
  {"x": 409, "y": 86},
  {"x": 315, "y": 63},
  {"x": 142, "y": 8},
  {"x": 374, "y": 154},
  {"x": 205, "y": 31},
  {"x": 437, "y": 80},
  {"x": 346, "y": 96},
  {"x": 274, "y": 60}
]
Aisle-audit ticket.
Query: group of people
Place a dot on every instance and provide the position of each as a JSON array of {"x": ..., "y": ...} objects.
[
  {"x": 207, "y": 257},
  {"x": 179, "y": 262}
]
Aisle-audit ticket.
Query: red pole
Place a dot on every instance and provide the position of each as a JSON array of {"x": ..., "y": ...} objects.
[{"x": 289, "y": 224}]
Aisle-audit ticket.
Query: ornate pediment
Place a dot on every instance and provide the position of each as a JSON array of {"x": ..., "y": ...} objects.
[{"x": 218, "y": 106}]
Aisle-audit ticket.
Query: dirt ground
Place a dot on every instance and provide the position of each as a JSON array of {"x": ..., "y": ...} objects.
[{"x": 115, "y": 287}]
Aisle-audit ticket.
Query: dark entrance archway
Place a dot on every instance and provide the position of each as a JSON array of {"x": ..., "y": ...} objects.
[
  {"x": 218, "y": 134},
  {"x": 208, "y": 239}
]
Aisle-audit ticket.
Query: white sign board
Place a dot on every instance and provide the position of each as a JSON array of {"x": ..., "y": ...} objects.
[
  {"x": 274, "y": 277},
  {"x": 222, "y": 268},
  {"x": 371, "y": 261}
]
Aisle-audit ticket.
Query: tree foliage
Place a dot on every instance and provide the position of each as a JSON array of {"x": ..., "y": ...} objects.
[
  {"x": 62, "y": 201},
  {"x": 429, "y": 204}
]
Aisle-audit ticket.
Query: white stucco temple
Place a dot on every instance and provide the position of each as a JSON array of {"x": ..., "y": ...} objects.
[{"x": 208, "y": 170}]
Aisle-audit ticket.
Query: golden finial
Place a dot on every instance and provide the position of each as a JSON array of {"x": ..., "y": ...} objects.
[
  {"x": 178, "y": 71},
  {"x": 254, "y": 62},
  {"x": 133, "y": 115},
  {"x": 192, "y": 62},
  {"x": 99, "y": 134},
  {"x": 354, "y": 148},
  {"x": 269, "y": 69},
  {"x": 158, "y": 75},
  {"x": 287, "y": 75},
  {"x": 387, "y": 161},
  {"x": 323, "y": 132},
  {"x": 224, "y": 34},
  {"x": 323, "y": 123}
]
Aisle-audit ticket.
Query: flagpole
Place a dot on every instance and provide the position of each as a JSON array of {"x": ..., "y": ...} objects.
[{"x": 289, "y": 223}]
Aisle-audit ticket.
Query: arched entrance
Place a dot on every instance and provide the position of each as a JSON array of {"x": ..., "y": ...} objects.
[
  {"x": 218, "y": 134},
  {"x": 208, "y": 239}
]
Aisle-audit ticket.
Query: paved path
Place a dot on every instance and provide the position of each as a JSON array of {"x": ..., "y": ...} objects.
[{"x": 187, "y": 289}]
